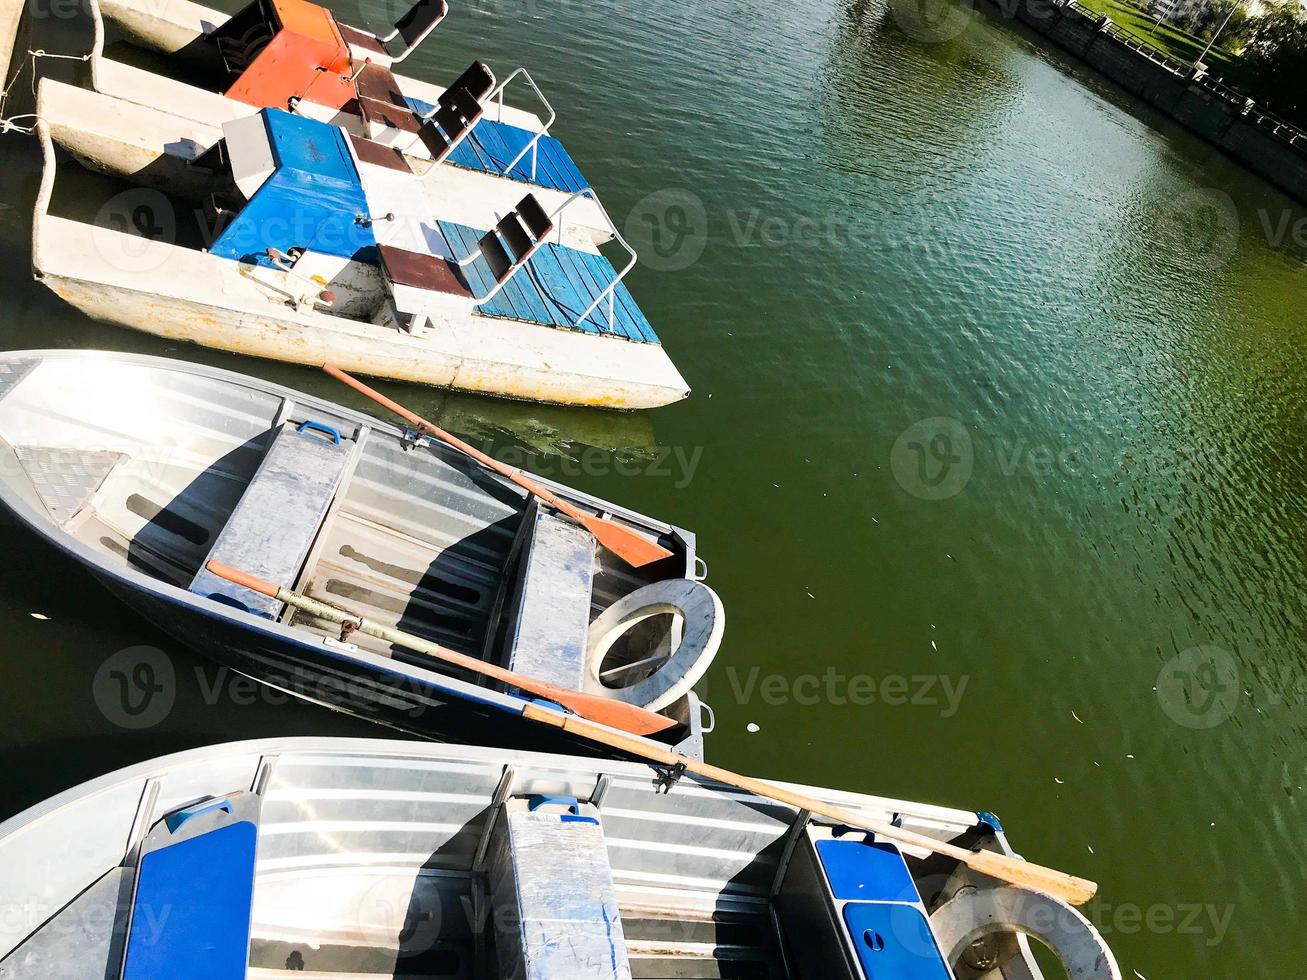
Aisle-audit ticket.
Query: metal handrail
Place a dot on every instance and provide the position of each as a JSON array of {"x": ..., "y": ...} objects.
[
  {"x": 617, "y": 236},
  {"x": 1291, "y": 134},
  {"x": 544, "y": 131},
  {"x": 608, "y": 292}
]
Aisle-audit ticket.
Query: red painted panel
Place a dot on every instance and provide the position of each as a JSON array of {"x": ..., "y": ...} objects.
[{"x": 297, "y": 65}]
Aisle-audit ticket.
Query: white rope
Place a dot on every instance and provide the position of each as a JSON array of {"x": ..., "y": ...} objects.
[{"x": 9, "y": 124}]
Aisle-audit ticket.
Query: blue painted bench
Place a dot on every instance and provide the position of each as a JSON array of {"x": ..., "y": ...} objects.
[
  {"x": 850, "y": 910},
  {"x": 193, "y": 895},
  {"x": 881, "y": 910},
  {"x": 493, "y": 145},
  {"x": 311, "y": 199},
  {"x": 553, "y": 289}
]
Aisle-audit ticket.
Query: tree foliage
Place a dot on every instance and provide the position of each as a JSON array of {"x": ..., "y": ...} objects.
[
  {"x": 1230, "y": 17},
  {"x": 1276, "y": 54}
]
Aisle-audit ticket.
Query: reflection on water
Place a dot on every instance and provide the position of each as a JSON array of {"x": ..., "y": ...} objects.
[{"x": 999, "y": 383}]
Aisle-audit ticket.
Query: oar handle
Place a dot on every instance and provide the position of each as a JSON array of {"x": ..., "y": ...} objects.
[
  {"x": 245, "y": 579},
  {"x": 609, "y": 711},
  {"x": 1015, "y": 871}
]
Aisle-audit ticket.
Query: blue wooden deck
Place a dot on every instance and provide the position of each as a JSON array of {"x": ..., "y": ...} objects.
[
  {"x": 561, "y": 283},
  {"x": 492, "y": 145}
]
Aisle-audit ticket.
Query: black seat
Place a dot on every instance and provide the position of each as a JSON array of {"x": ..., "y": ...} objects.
[
  {"x": 517, "y": 237},
  {"x": 477, "y": 80},
  {"x": 537, "y": 222},
  {"x": 420, "y": 20},
  {"x": 450, "y": 124}
]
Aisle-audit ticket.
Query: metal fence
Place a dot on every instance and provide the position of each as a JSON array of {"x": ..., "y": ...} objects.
[{"x": 1278, "y": 128}]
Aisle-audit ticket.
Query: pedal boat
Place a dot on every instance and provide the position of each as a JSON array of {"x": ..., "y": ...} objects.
[
  {"x": 325, "y": 247},
  {"x": 145, "y": 469},
  {"x": 294, "y": 55},
  {"x": 345, "y": 859}
]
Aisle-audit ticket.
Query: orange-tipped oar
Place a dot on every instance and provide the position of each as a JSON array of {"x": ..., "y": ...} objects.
[
  {"x": 1013, "y": 870},
  {"x": 605, "y": 711},
  {"x": 631, "y": 546}
]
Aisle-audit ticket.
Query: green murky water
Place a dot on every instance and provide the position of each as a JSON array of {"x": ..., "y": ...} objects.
[{"x": 996, "y": 447}]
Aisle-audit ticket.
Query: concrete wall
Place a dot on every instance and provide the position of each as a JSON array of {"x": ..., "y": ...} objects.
[{"x": 1211, "y": 112}]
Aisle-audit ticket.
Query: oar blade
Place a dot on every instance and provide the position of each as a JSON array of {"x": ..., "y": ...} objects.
[
  {"x": 630, "y": 546},
  {"x": 612, "y": 713},
  {"x": 1036, "y": 877}
]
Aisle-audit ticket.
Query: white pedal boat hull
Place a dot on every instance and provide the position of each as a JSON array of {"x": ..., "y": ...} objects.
[
  {"x": 185, "y": 294},
  {"x": 172, "y": 25},
  {"x": 214, "y": 306}
]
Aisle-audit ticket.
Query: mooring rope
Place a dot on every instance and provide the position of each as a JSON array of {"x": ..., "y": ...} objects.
[{"x": 10, "y": 124}]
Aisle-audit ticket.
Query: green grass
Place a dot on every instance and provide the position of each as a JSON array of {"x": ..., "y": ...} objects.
[{"x": 1170, "y": 41}]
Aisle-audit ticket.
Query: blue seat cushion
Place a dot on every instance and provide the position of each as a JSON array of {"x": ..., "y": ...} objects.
[
  {"x": 894, "y": 942},
  {"x": 191, "y": 914},
  {"x": 863, "y": 872}
]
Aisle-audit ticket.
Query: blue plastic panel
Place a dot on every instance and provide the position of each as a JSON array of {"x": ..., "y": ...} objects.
[
  {"x": 894, "y": 942},
  {"x": 312, "y": 199},
  {"x": 556, "y": 286},
  {"x": 858, "y": 871},
  {"x": 191, "y": 915},
  {"x": 493, "y": 145}
]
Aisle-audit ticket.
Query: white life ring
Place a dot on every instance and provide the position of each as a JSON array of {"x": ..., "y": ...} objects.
[
  {"x": 976, "y": 914},
  {"x": 704, "y": 622}
]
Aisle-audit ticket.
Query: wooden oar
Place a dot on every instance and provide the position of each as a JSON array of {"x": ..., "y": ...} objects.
[
  {"x": 631, "y": 546},
  {"x": 606, "y": 711},
  {"x": 1059, "y": 884}
]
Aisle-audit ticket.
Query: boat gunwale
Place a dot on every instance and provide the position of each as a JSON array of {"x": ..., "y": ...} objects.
[{"x": 279, "y": 748}]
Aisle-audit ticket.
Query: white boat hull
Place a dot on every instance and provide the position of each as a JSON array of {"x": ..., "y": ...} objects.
[
  {"x": 215, "y": 306},
  {"x": 185, "y": 294},
  {"x": 172, "y": 26},
  {"x": 166, "y": 26}
]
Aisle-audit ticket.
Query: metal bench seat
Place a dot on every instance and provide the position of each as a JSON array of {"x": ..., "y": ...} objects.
[
  {"x": 554, "y": 902},
  {"x": 548, "y": 607},
  {"x": 278, "y": 518}
]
